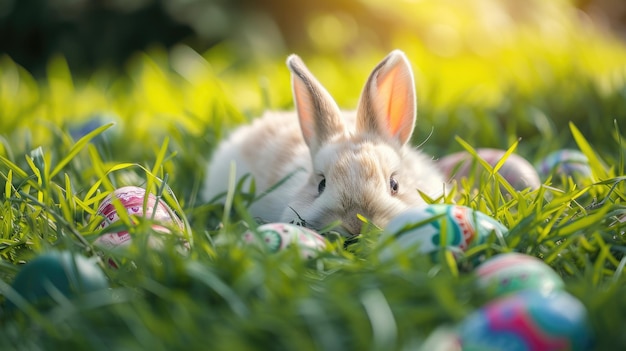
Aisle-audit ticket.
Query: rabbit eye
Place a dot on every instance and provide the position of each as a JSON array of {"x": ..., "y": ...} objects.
[
  {"x": 393, "y": 184},
  {"x": 321, "y": 186}
]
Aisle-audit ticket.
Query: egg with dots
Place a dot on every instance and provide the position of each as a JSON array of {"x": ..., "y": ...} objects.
[
  {"x": 281, "y": 236},
  {"x": 511, "y": 272},
  {"x": 133, "y": 200},
  {"x": 427, "y": 229},
  {"x": 529, "y": 320},
  {"x": 516, "y": 170}
]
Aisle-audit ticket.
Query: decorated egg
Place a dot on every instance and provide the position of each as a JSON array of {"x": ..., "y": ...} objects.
[
  {"x": 429, "y": 228},
  {"x": 510, "y": 272},
  {"x": 279, "y": 236},
  {"x": 516, "y": 169},
  {"x": 132, "y": 199},
  {"x": 528, "y": 321},
  {"x": 567, "y": 162},
  {"x": 70, "y": 274},
  {"x": 79, "y": 130}
]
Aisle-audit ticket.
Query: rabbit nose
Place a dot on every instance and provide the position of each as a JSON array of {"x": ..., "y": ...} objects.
[{"x": 352, "y": 225}]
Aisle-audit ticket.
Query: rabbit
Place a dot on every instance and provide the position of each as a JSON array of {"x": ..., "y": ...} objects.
[{"x": 331, "y": 166}]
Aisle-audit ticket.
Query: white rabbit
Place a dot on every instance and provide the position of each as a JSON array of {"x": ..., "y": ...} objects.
[{"x": 333, "y": 167}]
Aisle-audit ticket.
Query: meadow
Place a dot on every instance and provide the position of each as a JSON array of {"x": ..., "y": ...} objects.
[{"x": 67, "y": 140}]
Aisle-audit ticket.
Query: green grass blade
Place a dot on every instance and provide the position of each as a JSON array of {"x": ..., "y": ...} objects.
[
  {"x": 15, "y": 168},
  {"x": 80, "y": 144},
  {"x": 585, "y": 147},
  {"x": 8, "y": 185},
  {"x": 505, "y": 157}
]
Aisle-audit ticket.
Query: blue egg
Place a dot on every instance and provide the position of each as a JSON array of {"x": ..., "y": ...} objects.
[
  {"x": 566, "y": 162},
  {"x": 79, "y": 130}
]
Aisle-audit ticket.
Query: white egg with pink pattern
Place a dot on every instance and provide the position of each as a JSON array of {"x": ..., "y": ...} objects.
[
  {"x": 281, "y": 236},
  {"x": 132, "y": 198}
]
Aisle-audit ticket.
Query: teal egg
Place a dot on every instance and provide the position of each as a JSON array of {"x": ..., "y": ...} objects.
[
  {"x": 528, "y": 321},
  {"x": 57, "y": 272},
  {"x": 428, "y": 228},
  {"x": 511, "y": 272}
]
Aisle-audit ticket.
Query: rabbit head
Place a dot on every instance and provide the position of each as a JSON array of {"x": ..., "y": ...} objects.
[{"x": 361, "y": 165}]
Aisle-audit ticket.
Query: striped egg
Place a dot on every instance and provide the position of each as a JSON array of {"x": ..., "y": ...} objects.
[
  {"x": 428, "y": 228},
  {"x": 511, "y": 272}
]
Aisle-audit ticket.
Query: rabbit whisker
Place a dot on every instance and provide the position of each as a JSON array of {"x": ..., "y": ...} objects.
[{"x": 301, "y": 221}]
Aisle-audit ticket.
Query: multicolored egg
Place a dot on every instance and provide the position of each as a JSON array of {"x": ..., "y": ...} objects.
[
  {"x": 528, "y": 321},
  {"x": 516, "y": 169},
  {"x": 511, "y": 272},
  {"x": 566, "y": 162},
  {"x": 132, "y": 199},
  {"x": 279, "y": 236},
  {"x": 71, "y": 274},
  {"x": 421, "y": 228}
]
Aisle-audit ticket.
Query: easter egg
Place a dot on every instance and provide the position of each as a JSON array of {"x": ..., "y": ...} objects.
[
  {"x": 132, "y": 199},
  {"x": 70, "y": 274},
  {"x": 82, "y": 128},
  {"x": 279, "y": 236},
  {"x": 422, "y": 228},
  {"x": 510, "y": 272},
  {"x": 528, "y": 321},
  {"x": 516, "y": 169},
  {"x": 566, "y": 162}
]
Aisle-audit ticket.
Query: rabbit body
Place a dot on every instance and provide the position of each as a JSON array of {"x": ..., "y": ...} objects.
[
  {"x": 326, "y": 166},
  {"x": 269, "y": 149}
]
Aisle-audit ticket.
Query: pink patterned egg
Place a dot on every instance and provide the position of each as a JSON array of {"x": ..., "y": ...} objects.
[
  {"x": 516, "y": 169},
  {"x": 280, "y": 236},
  {"x": 132, "y": 199}
]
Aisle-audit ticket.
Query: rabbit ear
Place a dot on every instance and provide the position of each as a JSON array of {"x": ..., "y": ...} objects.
[
  {"x": 320, "y": 118},
  {"x": 388, "y": 103}
]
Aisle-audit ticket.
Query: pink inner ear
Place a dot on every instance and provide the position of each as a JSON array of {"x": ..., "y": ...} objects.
[
  {"x": 396, "y": 101},
  {"x": 305, "y": 109}
]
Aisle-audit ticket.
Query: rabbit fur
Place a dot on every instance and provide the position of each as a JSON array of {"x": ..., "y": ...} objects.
[{"x": 333, "y": 165}]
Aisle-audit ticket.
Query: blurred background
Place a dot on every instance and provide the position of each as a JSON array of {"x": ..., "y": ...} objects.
[
  {"x": 490, "y": 71},
  {"x": 96, "y": 33}
]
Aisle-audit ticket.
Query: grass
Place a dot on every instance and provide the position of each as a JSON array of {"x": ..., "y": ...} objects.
[{"x": 171, "y": 109}]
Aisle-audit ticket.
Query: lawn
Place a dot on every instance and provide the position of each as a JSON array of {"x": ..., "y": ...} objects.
[{"x": 68, "y": 140}]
